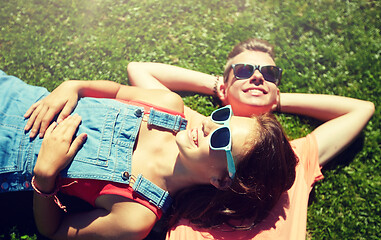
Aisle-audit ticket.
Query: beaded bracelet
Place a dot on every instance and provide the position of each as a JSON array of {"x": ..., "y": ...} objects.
[
  {"x": 216, "y": 85},
  {"x": 278, "y": 109}
]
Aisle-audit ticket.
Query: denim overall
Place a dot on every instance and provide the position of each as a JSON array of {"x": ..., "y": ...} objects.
[{"x": 111, "y": 126}]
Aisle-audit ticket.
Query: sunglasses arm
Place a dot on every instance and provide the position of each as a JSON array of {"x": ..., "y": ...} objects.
[{"x": 231, "y": 165}]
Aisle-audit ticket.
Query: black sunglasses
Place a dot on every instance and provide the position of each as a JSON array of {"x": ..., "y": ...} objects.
[{"x": 270, "y": 73}]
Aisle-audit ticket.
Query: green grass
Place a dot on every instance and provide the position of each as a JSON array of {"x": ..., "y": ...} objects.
[{"x": 325, "y": 46}]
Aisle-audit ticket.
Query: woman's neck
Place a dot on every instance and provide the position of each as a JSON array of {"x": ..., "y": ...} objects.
[{"x": 182, "y": 177}]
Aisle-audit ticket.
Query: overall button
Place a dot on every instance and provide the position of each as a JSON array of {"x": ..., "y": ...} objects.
[
  {"x": 4, "y": 185},
  {"x": 125, "y": 175},
  {"x": 138, "y": 112},
  {"x": 26, "y": 184}
]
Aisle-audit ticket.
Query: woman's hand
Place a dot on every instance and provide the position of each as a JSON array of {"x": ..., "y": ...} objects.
[
  {"x": 62, "y": 100},
  {"x": 57, "y": 151}
]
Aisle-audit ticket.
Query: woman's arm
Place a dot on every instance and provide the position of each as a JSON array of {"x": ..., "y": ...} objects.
[
  {"x": 343, "y": 117},
  {"x": 163, "y": 76},
  {"x": 116, "y": 217},
  {"x": 57, "y": 151},
  {"x": 120, "y": 218},
  {"x": 64, "y": 99}
]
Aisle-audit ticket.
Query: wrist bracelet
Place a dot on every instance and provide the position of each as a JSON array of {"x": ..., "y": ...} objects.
[
  {"x": 216, "y": 85},
  {"x": 48, "y": 195},
  {"x": 278, "y": 108}
]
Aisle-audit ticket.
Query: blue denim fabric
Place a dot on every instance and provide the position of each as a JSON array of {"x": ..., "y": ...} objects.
[{"x": 111, "y": 126}]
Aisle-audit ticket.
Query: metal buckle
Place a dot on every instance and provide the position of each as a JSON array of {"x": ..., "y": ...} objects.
[
  {"x": 132, "y": 180},
  {"x": 174, "y": 124},
  {"x": 145, "y": 117}
]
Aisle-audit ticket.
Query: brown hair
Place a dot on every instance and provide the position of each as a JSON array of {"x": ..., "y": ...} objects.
[
  {"x": 252, "y": 44},
  {"x": 267, "y": 171}
]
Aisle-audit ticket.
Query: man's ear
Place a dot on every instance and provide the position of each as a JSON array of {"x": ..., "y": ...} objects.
[
  {"x": 278, "y": 95},
  {"x": 221, "y": 184},
  {"x": 222, "y": 93},
  {"x": 276, "y": 105}
]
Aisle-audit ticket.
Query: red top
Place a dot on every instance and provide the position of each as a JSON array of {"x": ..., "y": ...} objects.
[{"x": 95, "y": 188}]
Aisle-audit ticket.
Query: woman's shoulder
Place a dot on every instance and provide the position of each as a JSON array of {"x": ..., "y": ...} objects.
[
  {"x": 158, "y": 97},
  {"x": 170, "y": 100}
]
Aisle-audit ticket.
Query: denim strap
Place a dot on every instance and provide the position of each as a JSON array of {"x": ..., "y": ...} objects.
[
  {"x": 167, "y": 120},
  {"x": 152, "y": 193}
]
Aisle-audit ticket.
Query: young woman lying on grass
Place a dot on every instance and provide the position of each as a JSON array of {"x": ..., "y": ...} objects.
[
  {"x": 130, "y": 155},
  {"x": 250, "y": 86}
]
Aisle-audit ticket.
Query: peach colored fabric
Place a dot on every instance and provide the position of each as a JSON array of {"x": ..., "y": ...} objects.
[{"x": 287, "y": 220}]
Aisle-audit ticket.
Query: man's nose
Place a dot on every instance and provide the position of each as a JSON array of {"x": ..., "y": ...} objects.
[{"x": 257, "y": 77}]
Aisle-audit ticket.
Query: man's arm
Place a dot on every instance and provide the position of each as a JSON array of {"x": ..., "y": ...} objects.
[
  {"x": 343, "y": 117},
  {"x": 163, "y": 76}
]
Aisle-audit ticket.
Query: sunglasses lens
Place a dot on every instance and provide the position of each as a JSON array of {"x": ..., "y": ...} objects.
[
  {"x": 220, "y": 138},
  {"x": 243, "y": 71},
  {"x": 270, "y": 73},
  {"x": 221, "y": 114}
]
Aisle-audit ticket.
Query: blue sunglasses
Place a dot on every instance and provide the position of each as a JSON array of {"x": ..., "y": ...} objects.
[{"x": 220, "y": 138}]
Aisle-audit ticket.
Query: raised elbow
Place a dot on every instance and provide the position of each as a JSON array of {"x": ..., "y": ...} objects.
[
  {"x": 131, "y": 66},
  {"x": 368, "y": 108},
  {"x": 132, "y": 69},
  {"x": 371, "y": 107}
]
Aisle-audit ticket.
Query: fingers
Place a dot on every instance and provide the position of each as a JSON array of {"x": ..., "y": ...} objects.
[
  {"x": 44, "y": 121},
  {"x": 58, "y": 147},
  {"x": 41, "y": 115},
  {"x": 69, "y": 107},
  {"x": 39, "y": 119},
  {"x": 68, "y": 127},
  {"x": 32, "y": 113},
  {"x": 31, "y": 109},
  {"x": 65, "y": 129},
  {"x": 77, "y": 144},
  {"x": 50, "y": 129},
  {"x": 34, "y": 121}
]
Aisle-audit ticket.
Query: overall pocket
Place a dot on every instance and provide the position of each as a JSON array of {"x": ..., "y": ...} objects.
[
  {"x": 12, "y": 143},
  {"x": 98, "y": 121},
  {"x": 111, "y": 131}
]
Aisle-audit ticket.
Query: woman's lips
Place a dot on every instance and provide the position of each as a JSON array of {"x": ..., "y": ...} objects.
[{"x": 193, "y": 136}]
